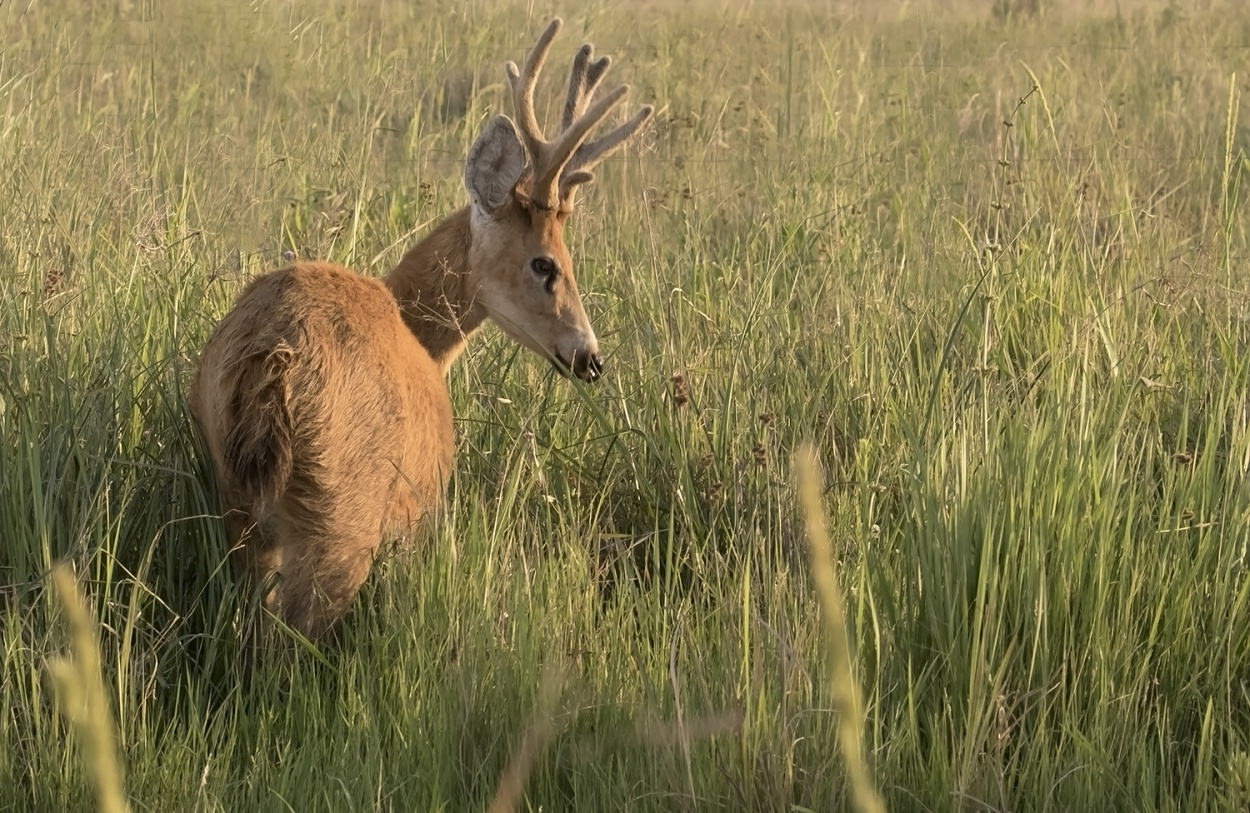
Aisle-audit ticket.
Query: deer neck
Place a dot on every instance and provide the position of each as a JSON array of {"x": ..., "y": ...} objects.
[{"x": 433, "y": 288}]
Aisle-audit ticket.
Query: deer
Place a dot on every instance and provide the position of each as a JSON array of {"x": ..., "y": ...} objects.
[{"x": 321, "y": 397}]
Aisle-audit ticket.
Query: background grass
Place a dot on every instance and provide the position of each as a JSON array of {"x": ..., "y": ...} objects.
[{"x": 1018, "y": 335}]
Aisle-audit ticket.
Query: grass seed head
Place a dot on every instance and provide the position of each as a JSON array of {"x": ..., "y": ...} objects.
[{"x": 680, "y": 390}]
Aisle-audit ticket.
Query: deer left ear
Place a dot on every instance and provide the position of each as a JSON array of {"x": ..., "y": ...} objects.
[{"x": 495, "y": 164}]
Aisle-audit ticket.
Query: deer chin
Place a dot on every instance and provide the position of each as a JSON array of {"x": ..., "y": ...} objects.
[
  {"x": 513, "y": 330},
  {"x": 584, "y": 364}
]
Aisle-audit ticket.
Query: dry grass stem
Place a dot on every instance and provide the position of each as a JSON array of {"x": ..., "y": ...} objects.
[
  {"x": 845, "y": 692},
  {"x": 80, "y": 687}
]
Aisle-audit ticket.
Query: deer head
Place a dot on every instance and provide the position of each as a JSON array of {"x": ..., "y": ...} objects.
[{"x": 522, "y": 189}]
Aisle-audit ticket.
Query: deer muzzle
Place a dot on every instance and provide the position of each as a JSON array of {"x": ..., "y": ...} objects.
[{"x": 587, "y": 367}]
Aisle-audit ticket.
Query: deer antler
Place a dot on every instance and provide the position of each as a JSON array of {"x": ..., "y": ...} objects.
[{"x": 557, "y": 167}]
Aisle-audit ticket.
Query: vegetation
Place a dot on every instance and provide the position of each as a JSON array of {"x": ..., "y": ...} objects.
[{"x": 992, "y": 266}]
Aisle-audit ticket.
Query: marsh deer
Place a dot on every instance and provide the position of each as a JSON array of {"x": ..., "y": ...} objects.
[{"x": 321, "y": 395}]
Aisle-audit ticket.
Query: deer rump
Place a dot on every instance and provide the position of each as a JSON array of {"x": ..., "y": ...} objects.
[{"x": 330, "y": 429}]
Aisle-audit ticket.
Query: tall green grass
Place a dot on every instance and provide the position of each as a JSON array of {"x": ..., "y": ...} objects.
[{"x": 1017, "y": 336}]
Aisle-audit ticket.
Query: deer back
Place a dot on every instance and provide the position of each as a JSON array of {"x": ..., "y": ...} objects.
[{"x": 313, "y": 377}]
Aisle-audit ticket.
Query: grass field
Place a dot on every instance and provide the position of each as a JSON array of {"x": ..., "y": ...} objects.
[{"x": 1016, "y": 332}]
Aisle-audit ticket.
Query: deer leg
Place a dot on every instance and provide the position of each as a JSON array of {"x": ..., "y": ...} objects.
[
  {"x": 315, "y": 586},
  {"x": 255, "y": 554}
]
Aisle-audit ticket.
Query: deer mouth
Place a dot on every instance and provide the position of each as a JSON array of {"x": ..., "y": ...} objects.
[{"x": 586, "y": 367}]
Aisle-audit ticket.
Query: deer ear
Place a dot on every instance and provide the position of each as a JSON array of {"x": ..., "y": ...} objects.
[{"x": 495, "y": 164}]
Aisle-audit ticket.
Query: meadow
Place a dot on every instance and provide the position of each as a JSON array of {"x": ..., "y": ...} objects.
[{"x": 993, "y": 267}]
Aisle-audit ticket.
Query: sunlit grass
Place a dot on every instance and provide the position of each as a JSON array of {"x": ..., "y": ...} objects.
[{"x": 1021, "y": 355}]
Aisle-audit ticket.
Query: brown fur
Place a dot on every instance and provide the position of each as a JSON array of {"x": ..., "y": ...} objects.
[
  {"x": 321, "y": 396},
  {"x": 329, "y": 426}
]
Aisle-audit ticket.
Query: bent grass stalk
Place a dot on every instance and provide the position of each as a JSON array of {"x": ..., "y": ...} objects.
[
  {"x": 80, "y": 687},
  {"x": 864, "y": 794},
  {"x": 537, "y": 735}
]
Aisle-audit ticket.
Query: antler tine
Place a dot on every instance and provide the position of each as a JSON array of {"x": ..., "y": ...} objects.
[
  {"x": 583, "y": 80},
  {"x": 590, "y": 155},
  {"x": 523, "y": 83},
  {"x": 558, "y": 166},
  {"x": 561, "y": 150}
]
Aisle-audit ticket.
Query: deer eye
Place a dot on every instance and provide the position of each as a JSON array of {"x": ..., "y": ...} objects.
[{"x": 546, "y": 270}]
